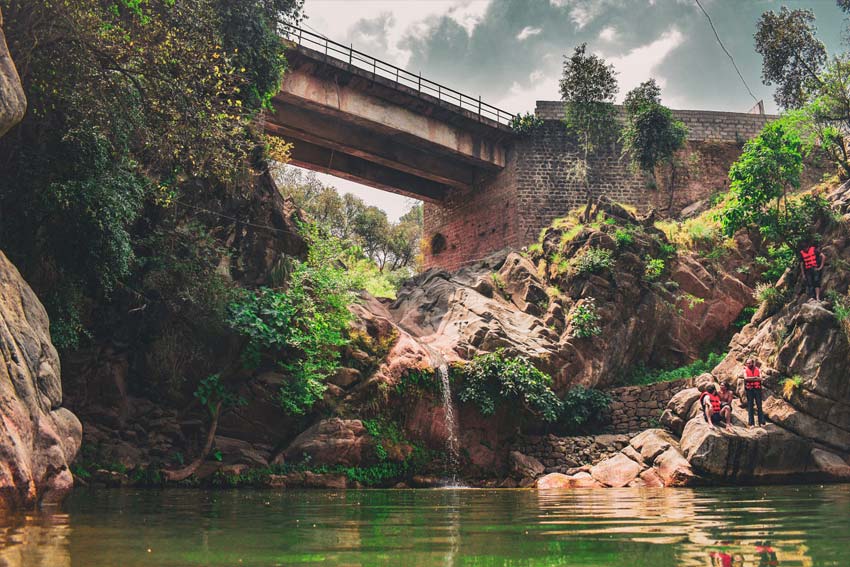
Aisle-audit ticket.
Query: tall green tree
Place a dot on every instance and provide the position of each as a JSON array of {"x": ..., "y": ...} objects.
[
  {"x": 651, "y": 136},
  {"x": 762, "y": 181},
  {"x": 792, "y": 56},
  {"x": 588, "y": 87}
]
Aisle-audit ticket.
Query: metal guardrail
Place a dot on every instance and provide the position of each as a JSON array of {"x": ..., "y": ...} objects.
[{"x": 386, "y": 70}]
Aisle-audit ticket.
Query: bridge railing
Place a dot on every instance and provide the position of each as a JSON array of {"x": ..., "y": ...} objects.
[{"x": 386, "y": 70}]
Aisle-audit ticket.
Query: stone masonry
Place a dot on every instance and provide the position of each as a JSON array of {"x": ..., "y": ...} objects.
[
  {"x": 537, "y": 184},
  {"x": 635, "y": 408}
]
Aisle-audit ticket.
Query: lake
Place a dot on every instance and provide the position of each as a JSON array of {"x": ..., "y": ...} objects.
[{"x": 752, "y": 526}]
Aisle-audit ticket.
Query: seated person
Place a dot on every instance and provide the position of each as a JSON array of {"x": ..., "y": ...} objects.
[
  {"x": 727, "y": 395},
  {"x": 712, "y": 408}
]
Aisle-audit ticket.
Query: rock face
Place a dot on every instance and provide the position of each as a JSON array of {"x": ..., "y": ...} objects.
[
  {"x": 38, "y": 438},
  {"x": 332, "y": 442},
  {"x": 13, "y": 104}
]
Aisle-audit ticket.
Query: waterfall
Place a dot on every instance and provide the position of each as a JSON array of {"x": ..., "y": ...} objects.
[{"x": 452, "y": 445}]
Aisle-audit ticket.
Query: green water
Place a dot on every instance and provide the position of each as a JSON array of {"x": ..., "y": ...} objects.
[{"x": 787, "y": 526}]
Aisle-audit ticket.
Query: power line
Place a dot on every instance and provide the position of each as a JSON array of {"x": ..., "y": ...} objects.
[{"x": 726, "y": 51}]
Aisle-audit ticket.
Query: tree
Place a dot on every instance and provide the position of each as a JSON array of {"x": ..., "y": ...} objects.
[
  {"x": 651, "y": 135},
  {"x": 761, "y": 178},
  {"x": 588, "y": 87},
  {"x": 792, "y": 56}
]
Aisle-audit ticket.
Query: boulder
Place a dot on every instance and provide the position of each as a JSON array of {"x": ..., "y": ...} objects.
[
  {"x": 673, "y": 469},
  {"x": 562, "y": 481},
  {"x": 616, "y": 471},
  {"x": 831, "y": 465},
  {"x": 38, "y": 437},
  {"x": 523, "y": 466},
  {"x": 769, "y": 454},
  {"x": 333, "y": 441},
  {"x": 13, "y": 103},
  {"x": 651, "y": 479},
  {"x": 651, "y": 443}
]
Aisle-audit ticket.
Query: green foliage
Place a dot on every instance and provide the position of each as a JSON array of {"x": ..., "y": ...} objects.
[
  {"x": 840, "y": 305},
  {"x": 623, "y": 237},
  {"x": 416, "y": 381},
  {"x": 779, "y": 258},
  {"x": 211, "y": 393},
  {"x": 642, "y": 375},
  {"x": 651, "y": 135},
  {"x": 591, "y": 261},
  {"x": 653, "y": 270},
  {"x": 583, "y": 407},
  {"x": 768, "y": 168},
  {"x": 792, "y": 55},
  {"x": 791, "y": 385},
  {"x": 588, "y": 87},
  {"x": 770, "y": 294},
  {"x": 584, "y": 319},
  {"x": 387, "y": 436},
  {"x": 744, "y": 317},
  {"x": 305, "y": 324},
  {"x": 492, "y": 379},
  {"x": 525, "y": 124}
]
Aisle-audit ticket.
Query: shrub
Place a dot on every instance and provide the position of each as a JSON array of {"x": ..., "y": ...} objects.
[
  {"x": 624, "y": 237},
  {"x": 524, "y": 124},
  {"x": 790, "y": 385},
  {"x": 591, "y": 261},
  {"x": 779, "y": 258},
  {"x": 583, "y": 406},
  {"x": 584, "y": 319},
  {"x": 744, "y": 317},
  {"x": 653, "y": 270},
  {"x": 493, "y": 378},
  {"x": 770, "y": 294},
  {"x": 303, "y": 326},
  {"x": 642, "y": 375}
]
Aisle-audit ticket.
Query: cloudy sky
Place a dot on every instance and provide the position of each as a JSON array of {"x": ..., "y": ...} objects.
[{"x": 511, "y": 51}]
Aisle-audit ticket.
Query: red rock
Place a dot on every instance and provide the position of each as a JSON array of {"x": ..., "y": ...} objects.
[{"x": 617, "y": 471}]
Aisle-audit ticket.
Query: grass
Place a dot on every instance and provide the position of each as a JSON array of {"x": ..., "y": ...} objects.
[{"x": 644, "y": 376}]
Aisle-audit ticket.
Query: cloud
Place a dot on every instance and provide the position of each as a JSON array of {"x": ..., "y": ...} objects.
[
  {"x": 639, "y": 64},
  {"x": 527, "y": 32},
  {"x": 608, "y": 34},
  {"x": 469, "y": 14}
]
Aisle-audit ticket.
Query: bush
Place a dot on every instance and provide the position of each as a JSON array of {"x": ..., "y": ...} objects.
[
  {"x": 591, "y": 261},
  {"x": 584, "y": 319},
  {"x": 770, "y": 294},
  {"x": 583, "y": 406},
  {"x": 744, "y": 317},
  {"x": 653, "y": 270},
  {"x": 493, "y": 378},
  {"x": 303, "y": 326},
  {"x": 779, "y": 258},
  {"x": 624, "y": 237},
  {"x": 524, "y": 124},
  {"x": 791, "y": 385},
  {"x": 643, "y": 376}
]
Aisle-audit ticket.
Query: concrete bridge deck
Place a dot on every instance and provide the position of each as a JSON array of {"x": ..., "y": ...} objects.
[{"x": 372, "y": 128}]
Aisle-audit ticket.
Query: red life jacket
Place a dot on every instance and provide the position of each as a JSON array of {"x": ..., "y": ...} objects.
[
  {"x": 810, "y": 257},
  {"x": 713, "y": 399},
  {"x": 754, "y": 373}
]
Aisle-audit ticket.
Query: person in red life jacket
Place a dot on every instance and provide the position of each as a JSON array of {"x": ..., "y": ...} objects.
[
  {"x": 811, "y": 267},
  {"x": 713, "y": 409},
  {"x": 726, "y": 395},
  {"x": 752, "y": 386}
]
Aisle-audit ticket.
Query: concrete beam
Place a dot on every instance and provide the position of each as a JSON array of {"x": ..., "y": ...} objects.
[
  {"x": 338, "y": 98},
  {"x": 301, "y": 124},
  {"x": 325, "y": 160}
]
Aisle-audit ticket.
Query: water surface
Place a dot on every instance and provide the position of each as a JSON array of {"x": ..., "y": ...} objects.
[{"x": 787, "y": 526}]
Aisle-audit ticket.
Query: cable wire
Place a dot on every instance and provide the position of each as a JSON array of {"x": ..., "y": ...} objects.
[{"x": 732, "y": 59}]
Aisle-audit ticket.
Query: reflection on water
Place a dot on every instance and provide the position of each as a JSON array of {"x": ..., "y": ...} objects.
[{"x": 742, "y": 527}]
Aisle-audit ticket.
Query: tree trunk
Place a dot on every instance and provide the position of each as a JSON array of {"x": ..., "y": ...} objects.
[{"x": 188, "y": 470}]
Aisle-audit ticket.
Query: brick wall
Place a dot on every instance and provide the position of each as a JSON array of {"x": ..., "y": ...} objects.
[{"x": 537, "y": 185}]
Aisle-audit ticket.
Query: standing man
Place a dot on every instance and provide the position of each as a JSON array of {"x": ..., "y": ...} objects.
[
  {"x": 811, "y": 267},
  {"x": 752, "y": 385}
]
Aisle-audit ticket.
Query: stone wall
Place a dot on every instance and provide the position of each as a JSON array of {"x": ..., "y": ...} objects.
[
  {"x": 537, "y": 185},
  {"x": 634, "y": 408},
  {"x": 561, "y": 454}
]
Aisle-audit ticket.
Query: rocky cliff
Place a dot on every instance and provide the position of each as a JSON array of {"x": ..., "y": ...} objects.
[{"x": 38, "y": 438}]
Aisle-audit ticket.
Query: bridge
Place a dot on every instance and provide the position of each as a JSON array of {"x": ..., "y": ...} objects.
[
  {"x": 363, "y": 119},
  {"x": 484, "y": 187}
]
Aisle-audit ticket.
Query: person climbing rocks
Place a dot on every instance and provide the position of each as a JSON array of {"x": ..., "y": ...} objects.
[
  {"x": 712, "y": 408},
  {"x": 812, "y": 261},
  {"x": 752, "y": 386}
]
